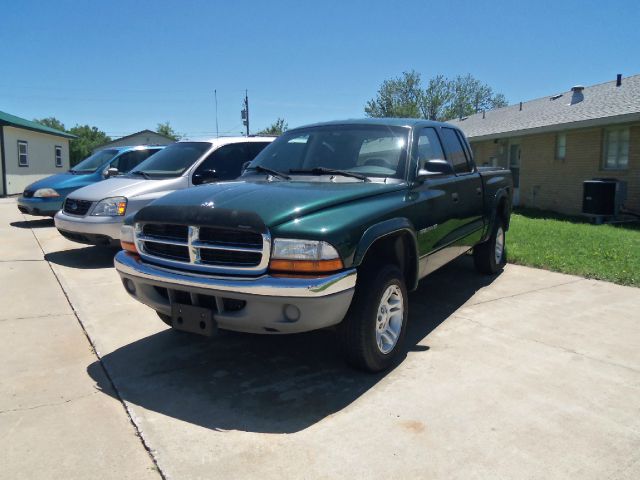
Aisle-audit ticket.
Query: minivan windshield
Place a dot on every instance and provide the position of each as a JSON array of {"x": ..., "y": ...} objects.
[
  {"x": 367, "y": 150},
  {"x": 95, "y": 161},
  {"x": 171, "y": 161}
]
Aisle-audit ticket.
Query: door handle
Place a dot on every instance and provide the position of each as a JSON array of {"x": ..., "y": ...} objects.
[
  {"x": 455, "y": 198},
  {"x": 479, "y": 191}
]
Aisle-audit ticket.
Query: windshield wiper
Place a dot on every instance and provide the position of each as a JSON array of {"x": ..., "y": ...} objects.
[
  {"x": 275, "y": 173},
  {"x": 332, "y": 171},
  {"x": 140, "y": 172}
]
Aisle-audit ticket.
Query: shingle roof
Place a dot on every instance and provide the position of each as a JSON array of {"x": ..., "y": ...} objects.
[
  {"x": 602, "y": 104},
  {"x": 12, "y": 120}
]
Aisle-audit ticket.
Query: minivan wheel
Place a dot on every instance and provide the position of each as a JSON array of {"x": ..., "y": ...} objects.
[
  {"x": 374, "y": 328},
  {"x": 491, "y": 256}
]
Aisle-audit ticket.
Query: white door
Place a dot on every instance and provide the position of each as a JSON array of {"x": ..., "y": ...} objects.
[{"x": 514, "y": 166}]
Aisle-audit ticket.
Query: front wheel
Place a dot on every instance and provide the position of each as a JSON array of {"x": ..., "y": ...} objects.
[
  {"x": 491, "y": 256},
  {"x": 374, "y": 328}
]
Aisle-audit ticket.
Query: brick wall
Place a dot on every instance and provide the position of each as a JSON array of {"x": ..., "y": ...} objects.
[{"x": 556, "y": 185}]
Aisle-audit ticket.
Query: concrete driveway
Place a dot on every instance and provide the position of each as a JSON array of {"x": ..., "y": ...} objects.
[{"x": 529, "y": 374}]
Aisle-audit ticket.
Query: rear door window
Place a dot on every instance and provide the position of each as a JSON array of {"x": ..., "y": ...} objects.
[{"x": 456, "y": 152}]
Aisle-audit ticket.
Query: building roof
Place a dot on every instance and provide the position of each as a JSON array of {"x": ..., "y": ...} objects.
[
  {"x": 600, "y": 104},
  {"x": 141, "y": 132},
  {"x": 12, "y": 120}
]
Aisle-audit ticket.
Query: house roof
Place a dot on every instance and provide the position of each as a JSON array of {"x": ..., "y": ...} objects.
[
  {"x": 12, "y": 120},
  {"x": 141, "y": 132},
  {"x": 601, "y": 104}
]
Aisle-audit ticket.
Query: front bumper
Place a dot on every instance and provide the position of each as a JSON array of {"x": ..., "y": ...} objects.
[
  {"x": 89, "y": 230},
  {"x": 46, "y": 207},
  {"x": 264, "y": 304}
]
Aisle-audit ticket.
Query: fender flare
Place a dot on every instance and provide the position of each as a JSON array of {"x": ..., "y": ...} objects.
[
  {"x": 384, "y": 229},
  {"x": 501, "y": 194}
]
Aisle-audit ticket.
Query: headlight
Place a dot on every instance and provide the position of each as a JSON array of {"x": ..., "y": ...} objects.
[
  {"x": 304, "y": 256},
  {"x": 45, "y": 193},
  {"x": 110, "y": 207}
]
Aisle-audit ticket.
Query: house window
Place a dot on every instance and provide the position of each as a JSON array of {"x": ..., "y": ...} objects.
[
  {"x": 616, "y": 148},
  {"x": 23, "y": 157},
  {"x": 561, "y": 146},
  {"x": 58, "y": 156}
]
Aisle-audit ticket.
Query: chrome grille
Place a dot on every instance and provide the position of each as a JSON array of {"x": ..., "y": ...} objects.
[
  {"x": 73, "y": 206},
  {"x": 209, "y": 249}
]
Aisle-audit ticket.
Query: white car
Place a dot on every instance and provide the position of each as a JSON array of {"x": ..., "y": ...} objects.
[{"x": 94, "y": 214}]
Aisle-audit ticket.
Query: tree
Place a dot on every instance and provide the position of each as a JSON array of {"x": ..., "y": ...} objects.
[
  {"x": 51, "y": 122},
  {"x": 276, "y": 128},
  {"x": 398, "y": 97},
  {"x": 166, "y": 130},
  {"x": 442, "y": 99},
  {"x": 88, "y": 138}
]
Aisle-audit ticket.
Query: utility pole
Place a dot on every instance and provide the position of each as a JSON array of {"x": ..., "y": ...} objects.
[
  {"x": 215, "y": 94},
  {"x": 245, "y": 111}
]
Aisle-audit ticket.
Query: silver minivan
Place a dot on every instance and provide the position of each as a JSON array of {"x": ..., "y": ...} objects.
[{"x": 94, "y": 214}]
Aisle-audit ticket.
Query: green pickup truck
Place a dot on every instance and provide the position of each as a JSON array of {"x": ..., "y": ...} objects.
[{"x": 329, "y": 226}]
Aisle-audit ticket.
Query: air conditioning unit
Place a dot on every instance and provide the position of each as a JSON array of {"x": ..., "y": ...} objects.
[{"x": 603, "y": 197}]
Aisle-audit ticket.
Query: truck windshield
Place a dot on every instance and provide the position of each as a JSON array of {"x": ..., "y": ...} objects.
[
  {"x": 95, "y": 161},
  {"x": 371, "y": 150},
  {"x": 171, "y": 161}
]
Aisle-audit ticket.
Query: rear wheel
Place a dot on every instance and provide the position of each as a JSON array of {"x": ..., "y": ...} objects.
[
  {"x": 374, "y": 328},
  {"x": 491, "y": 256}
]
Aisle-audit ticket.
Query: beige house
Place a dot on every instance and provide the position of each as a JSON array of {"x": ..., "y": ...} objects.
[
  {"x": 143, "y": 137},
  {"x": 553, "y": 144},
  {"x": 29, "y": 151}
]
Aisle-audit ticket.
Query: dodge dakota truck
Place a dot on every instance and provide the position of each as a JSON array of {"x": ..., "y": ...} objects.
[{"x": 329, "y": 226}]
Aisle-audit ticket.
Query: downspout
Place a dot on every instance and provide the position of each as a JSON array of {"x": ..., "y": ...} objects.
[{"x": 4, "y": 164}]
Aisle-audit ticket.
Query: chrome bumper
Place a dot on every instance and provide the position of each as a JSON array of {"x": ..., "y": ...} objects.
[{"x": 266, "y": 285}]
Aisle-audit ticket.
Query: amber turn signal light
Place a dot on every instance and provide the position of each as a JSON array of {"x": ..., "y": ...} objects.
[
  {"x": 129, "y": 247},
  {"x": 306, "y": 266}
]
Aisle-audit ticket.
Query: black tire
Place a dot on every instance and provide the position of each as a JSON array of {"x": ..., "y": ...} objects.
[
  {"x": 358, "y": 330},
  {"x": 484, "y": 254},
  {"x": 165, "y": 318}
]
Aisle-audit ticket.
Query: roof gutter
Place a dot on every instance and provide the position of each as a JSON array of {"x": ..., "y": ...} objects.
[
  {"x": 3, "y": 162},
  {"x": 595, "y": 122}
]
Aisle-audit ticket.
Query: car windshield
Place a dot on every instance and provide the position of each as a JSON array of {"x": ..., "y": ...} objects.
[
  {"x": 371, "y": 150},
  {"x": 171, "y": 161},
  {"x": 95, "y": 161}
]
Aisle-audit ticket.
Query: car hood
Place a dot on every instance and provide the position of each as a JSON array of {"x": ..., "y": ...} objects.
[
  {"x": 123, "y": 187},
  {"x": 62, "y": 181},
  {"x": 273, "y": 202}
]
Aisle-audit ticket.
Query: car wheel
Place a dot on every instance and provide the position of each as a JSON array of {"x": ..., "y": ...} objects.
[
  {"x": 374, "y": 328},
  {"x": 164, "y": 317},
  {"x": 491, "y": 256}
]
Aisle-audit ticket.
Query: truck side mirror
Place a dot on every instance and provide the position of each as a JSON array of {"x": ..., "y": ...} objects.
[
  {"x": 110, "y": 172},
  {"x": 434, "y": 168}
]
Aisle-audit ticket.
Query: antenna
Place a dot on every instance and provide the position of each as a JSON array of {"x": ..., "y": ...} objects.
[{"x": 215, "y": 94}]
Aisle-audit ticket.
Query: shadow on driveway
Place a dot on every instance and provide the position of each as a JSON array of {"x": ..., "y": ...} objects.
[
  {"x": 89, "y": 257},
  {"x": 270, "y": 384},
  {"x": 40, "y": 223}
]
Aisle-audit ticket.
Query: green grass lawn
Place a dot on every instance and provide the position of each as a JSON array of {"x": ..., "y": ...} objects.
[{"x": 572, "y": 245}]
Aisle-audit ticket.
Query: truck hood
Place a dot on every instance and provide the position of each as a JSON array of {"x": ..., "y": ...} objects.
[
  {"x": 124, "y": 187},
  {"x": 274, "y": 202},
  {"x": 62, "y": 181}
]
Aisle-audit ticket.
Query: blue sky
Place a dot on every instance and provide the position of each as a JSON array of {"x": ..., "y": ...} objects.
[{"x": 125, "y": 66}]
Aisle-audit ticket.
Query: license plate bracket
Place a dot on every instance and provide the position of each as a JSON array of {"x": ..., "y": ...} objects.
[{"x": 193, "y": 319}]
